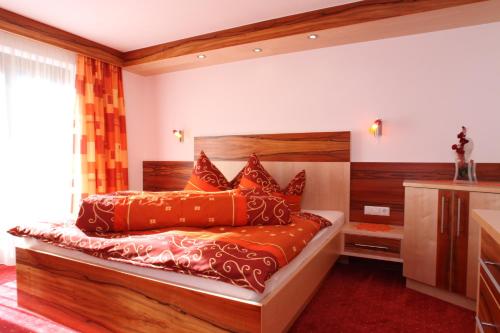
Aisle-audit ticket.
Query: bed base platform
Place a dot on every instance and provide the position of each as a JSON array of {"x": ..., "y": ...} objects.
[{"x": 94, "y": 298}]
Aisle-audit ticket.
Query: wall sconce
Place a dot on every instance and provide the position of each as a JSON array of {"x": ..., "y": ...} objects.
[
  {"x": 179, "y": 134},
  {"x": 376, "y": 128}
]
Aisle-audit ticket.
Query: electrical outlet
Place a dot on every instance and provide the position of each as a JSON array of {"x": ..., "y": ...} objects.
[{"x": 377, "y": 210}]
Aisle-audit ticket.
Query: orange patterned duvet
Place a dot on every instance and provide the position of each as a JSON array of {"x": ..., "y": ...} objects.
[{"x": 245, "y": 256}]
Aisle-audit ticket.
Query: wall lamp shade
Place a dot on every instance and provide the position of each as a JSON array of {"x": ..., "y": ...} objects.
[
  {"x": 376, "y": 128},
  {"x": 179, "y": 134}
]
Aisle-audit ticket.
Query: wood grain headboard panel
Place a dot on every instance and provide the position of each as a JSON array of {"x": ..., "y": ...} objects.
[
  {"x": 324, "y": 155},
  {"x": 304, "y": 147}
]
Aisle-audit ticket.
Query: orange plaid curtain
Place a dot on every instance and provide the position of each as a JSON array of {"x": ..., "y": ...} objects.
[{"x": 100, "y": 128}]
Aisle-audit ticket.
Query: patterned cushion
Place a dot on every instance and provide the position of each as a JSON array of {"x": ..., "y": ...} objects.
[
  {"x": 135, "y": 211},
  {"x": 236, "y": 180},
  {"x": 206, "y": 177},
  {"x": 256, "y": 180},
  {"x": 267, "y": 210},
  {"x": 293, "y": 191},
  {"x": 255, "y": 176}
]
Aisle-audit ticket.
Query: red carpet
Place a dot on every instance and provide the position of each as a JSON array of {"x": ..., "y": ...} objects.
[
  {"x": 370, "y": 296},
  {"x": 363, "y": 296}
]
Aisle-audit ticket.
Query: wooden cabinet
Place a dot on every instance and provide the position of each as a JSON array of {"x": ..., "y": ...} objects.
[
  {"x": 441, "y": 240},
  {"x": 452, "y": 241},
  {"x": 488, "y": 300},
  {"x": 420, "y": 237}
]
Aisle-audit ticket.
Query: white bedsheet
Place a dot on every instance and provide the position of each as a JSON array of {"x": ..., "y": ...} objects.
[{"x": 336, "y": 217}]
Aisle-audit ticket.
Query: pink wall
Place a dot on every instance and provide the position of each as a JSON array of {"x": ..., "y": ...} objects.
[
  {"x": 424, "y": 87},
  {"x": 142, "y": 130}
]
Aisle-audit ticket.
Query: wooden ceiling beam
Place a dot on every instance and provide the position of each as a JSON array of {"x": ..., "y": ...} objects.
[
  {"x": 327, "y": 18},
  {"x": 21, "y": 25}
]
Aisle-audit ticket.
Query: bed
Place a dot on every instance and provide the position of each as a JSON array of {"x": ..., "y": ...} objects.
[{"x": 92, "y": 294}]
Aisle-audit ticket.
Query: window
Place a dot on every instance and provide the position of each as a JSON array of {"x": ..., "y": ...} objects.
[{"x": 37, "y": 102}]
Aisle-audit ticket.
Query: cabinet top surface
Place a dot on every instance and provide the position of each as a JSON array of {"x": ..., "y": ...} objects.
[
  {"x": 489, "y": 220},
  {"x": 488, "y": 187}
]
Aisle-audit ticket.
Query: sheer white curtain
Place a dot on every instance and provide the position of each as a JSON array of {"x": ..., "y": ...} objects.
[{"x": 37, "y": 101}]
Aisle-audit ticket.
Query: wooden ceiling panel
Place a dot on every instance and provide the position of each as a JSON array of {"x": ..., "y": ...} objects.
[
  {"x": 349, "y": 23},
  {"x": 344, "y": 24}
]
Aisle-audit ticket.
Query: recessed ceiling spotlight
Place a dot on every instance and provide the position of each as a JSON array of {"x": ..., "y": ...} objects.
[
  {"x": 312, "y": 36},
  {"x": 201, "y": 56},
  {"x": 257, "y": 50}
]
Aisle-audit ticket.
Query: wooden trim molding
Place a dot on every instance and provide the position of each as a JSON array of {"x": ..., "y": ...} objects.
[
  {"x": 322, "y": 19},
  {"x": 21, "y": 25},
  {"x": 297, "y": 147}
]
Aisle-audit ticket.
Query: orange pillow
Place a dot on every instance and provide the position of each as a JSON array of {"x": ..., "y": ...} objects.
[{"x": 256, "y": 180}]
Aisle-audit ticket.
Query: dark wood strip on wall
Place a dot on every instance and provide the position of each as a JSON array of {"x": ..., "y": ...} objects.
[
  {"x": 381, "y": 184},
  {"x": 297, "y": 147},
  {"x": 165, "y": 175}
]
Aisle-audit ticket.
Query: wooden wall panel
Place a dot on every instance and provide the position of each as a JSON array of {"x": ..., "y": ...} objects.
[
  {"x": 165, "y": 175},
  {"x": 381, "y": 184},
  {"x": 296, "y": 147}
]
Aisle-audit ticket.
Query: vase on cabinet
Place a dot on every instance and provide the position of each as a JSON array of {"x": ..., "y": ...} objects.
[{"x": 465, "y": 171}]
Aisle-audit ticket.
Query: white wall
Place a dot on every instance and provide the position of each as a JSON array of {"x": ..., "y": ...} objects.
[{"x": 424, "y": 87}]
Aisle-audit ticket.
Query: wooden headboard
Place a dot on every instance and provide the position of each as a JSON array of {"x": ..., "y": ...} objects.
[{"x": 324, "y": 155}]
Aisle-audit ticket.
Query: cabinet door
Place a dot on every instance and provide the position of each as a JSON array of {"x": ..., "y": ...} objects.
[
  {"x": 419, "y": 242},
  {"x": 444, "y": 231},
  {"x": 460, "y": 239}
]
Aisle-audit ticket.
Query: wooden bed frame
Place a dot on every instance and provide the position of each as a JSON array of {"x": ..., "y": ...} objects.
[{"x": 94, "y": 298}]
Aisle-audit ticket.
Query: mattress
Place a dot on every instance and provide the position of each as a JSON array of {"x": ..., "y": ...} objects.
[{"x": 208, "y": 285}]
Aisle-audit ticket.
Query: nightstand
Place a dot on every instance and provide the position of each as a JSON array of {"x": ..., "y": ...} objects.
[{"x": 373, "y": 241}]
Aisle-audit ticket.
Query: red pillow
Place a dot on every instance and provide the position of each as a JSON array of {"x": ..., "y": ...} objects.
[
  {"x": 206, "y": 177},
  {"x": 236, "y": 180},
  {"x": 255, "y": 176},
  {"x": 293, "y": 192},
  {"x": 256, "y": 179}
]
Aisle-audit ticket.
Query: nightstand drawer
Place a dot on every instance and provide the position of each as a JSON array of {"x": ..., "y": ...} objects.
[{"x": 372, "y": 245}]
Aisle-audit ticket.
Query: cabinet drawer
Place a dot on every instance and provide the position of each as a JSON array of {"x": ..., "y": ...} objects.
[
  {"x": 488, "y": 308},
  {"x": 490, "y": 254},
  {"x": 373, "y": 245}
]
